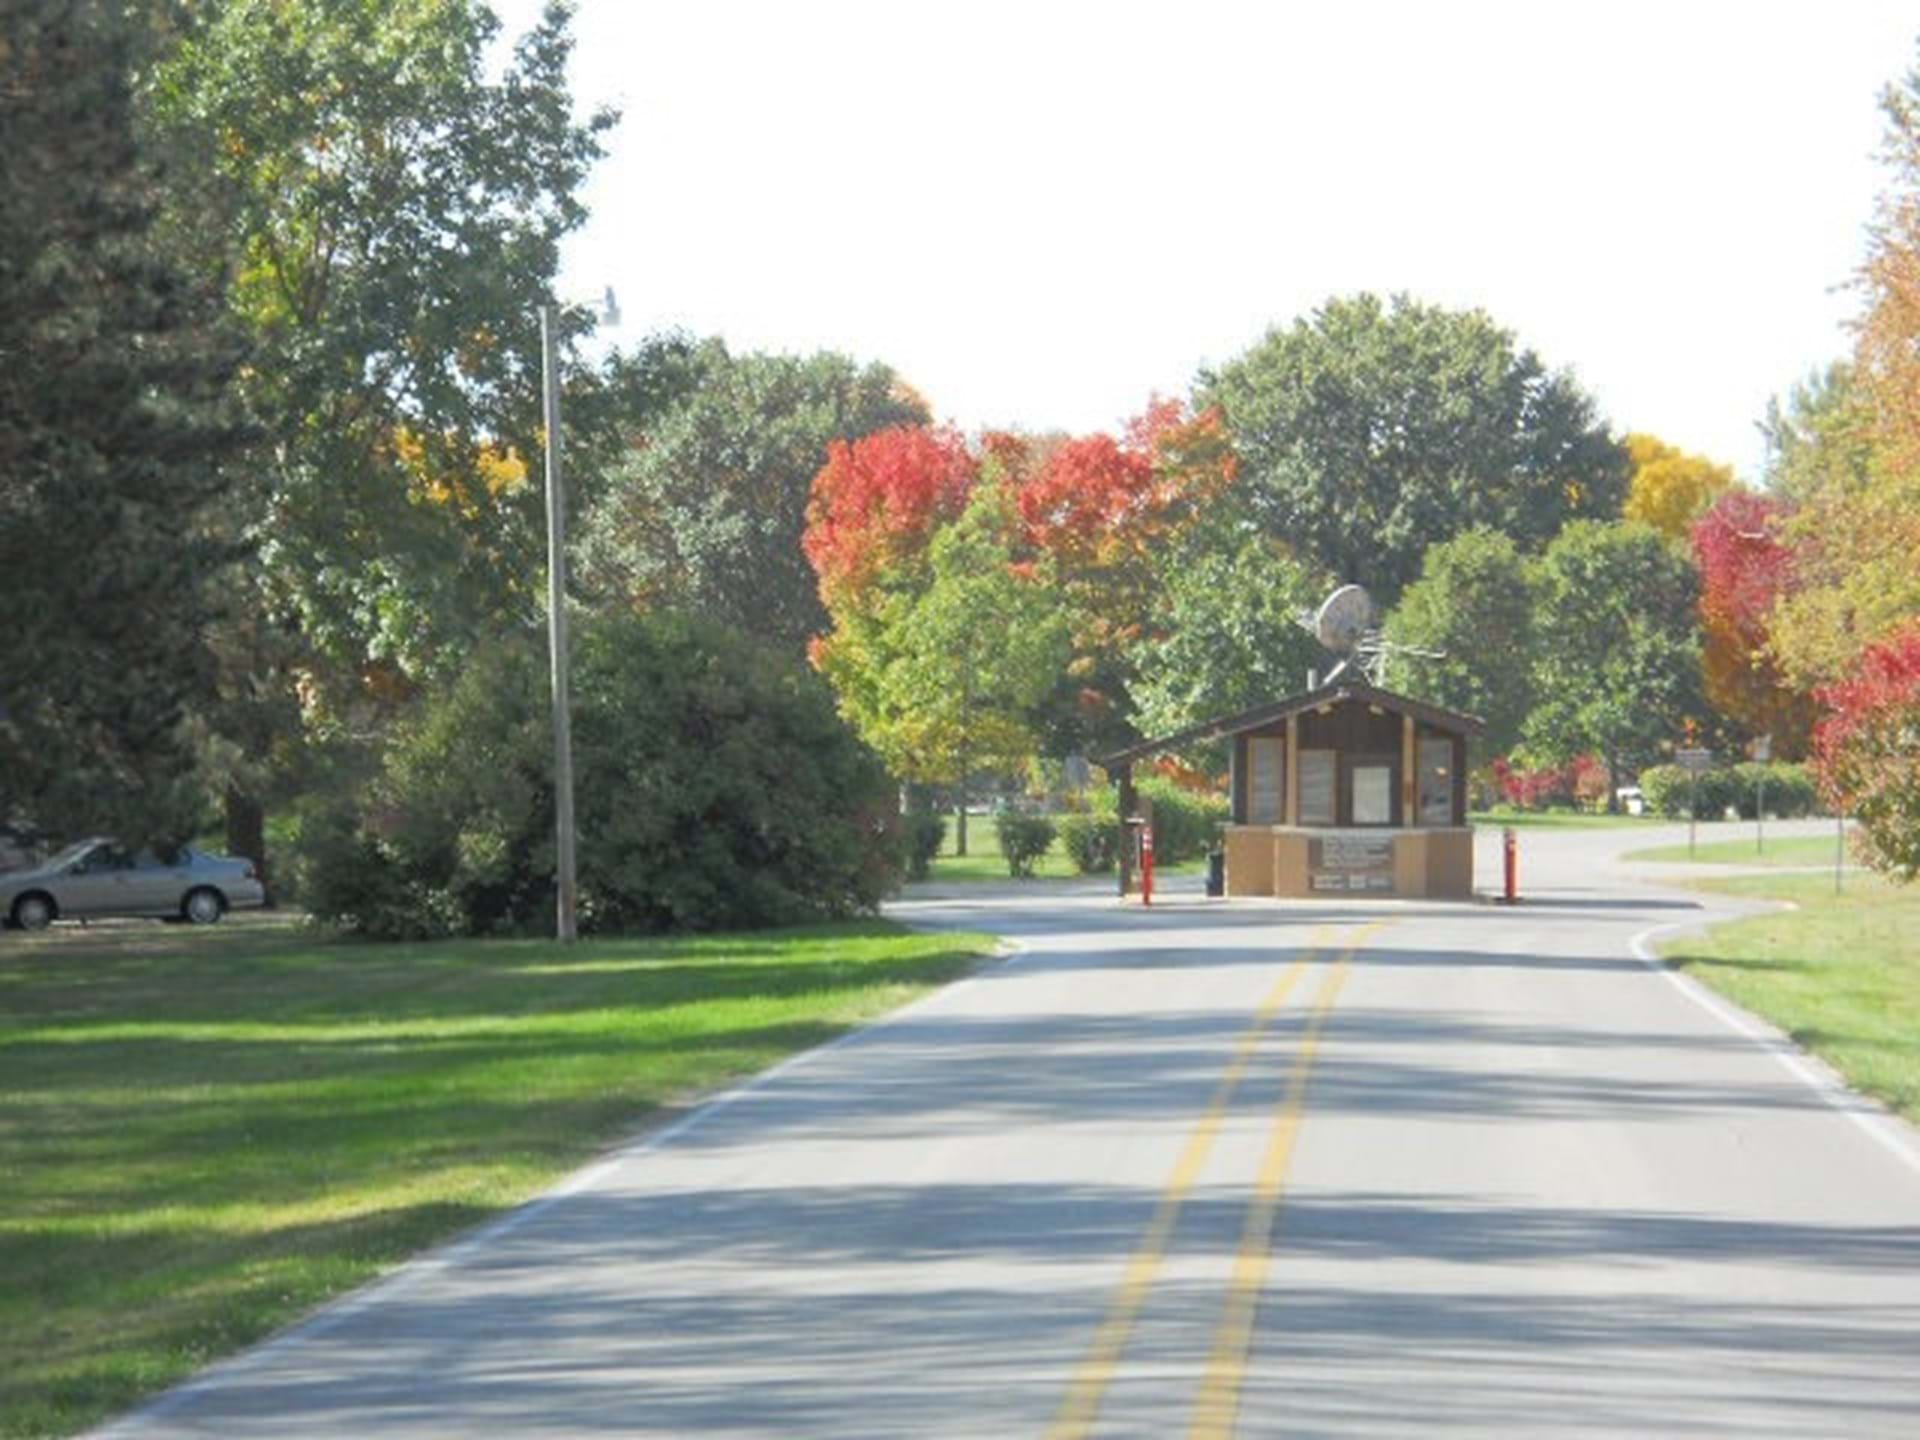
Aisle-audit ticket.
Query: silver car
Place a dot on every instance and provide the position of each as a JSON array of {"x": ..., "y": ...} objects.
[{"x": 99, "y": 877}]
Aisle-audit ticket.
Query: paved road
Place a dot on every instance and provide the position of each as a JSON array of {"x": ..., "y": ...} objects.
[{"x": 1377, "y": 1169}]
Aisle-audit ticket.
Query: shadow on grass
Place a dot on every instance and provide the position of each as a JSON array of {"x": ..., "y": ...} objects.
[{"x": 64, "y": 1372}]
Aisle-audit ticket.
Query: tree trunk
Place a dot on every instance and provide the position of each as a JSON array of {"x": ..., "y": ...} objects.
[
  {"x": 960, "y": 817},
  {"x": 247, "y": 830},
  {"x": 1611, "y": 761}
]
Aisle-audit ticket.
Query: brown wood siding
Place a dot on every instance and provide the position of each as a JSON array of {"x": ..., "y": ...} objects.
[
  {"x": 1238, "y": 777},
  {"x": 1460, "y": 793},
  {"x": 1351, "y": 728}
]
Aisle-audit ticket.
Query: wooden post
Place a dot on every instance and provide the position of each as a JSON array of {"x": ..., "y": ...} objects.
[
  {"x": 1292, "y": 761},
  {"x": 1126, "y": 804},
  {"x": 1409, "y": 775}
]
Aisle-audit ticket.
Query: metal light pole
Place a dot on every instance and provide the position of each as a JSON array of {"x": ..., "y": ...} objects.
[{"x": 566, "y": 926}]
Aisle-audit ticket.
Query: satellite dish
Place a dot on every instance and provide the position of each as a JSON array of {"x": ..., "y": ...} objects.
[
  {"x": 1343, "y": 620},
  {"x": 1345, "y": 625}
]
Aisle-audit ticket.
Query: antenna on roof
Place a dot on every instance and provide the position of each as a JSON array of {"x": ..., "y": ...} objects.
[{"x": 1345, "y": 625}]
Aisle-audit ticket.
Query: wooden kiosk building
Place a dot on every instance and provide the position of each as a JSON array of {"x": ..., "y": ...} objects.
[{"x": 1344, "y": 789}]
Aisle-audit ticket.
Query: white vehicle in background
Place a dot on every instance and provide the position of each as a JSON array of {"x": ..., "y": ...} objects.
[{"x": 99, "y": 877}]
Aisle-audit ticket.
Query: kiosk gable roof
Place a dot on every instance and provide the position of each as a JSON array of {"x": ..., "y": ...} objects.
[{"x": 1224, "y": 726}]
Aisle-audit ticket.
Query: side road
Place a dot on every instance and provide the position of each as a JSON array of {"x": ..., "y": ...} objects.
[{"x": 1333, "y": 1169}]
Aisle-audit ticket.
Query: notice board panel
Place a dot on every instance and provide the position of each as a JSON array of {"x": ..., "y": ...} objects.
[{"x": 1350, "y": 862}]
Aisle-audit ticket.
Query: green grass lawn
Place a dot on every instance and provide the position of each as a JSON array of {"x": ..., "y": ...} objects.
[
  {"x": 204, "y": 1133},
  {"x": 1798, "y": 850},
  {"x": 1841, "y": 974},
  {"x": 983, "y": 860},
  {"x": 1557, "y": 819}
]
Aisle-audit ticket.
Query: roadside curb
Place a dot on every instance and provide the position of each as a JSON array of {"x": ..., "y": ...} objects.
[{"x": 1875, "y": 1120}]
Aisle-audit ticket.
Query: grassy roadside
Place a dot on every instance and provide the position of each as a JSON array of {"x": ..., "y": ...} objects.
[
  {"x": 1840, "y": 974},
  {"x": 205, "y": 1133},
  {"x": 984, "y": 862},
  {"x": 1799, "y": 850},
  {"x": 1559, "y": 819}
]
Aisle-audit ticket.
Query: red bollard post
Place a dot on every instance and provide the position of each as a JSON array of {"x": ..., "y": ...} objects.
[
  {"x": 1510, "y": 849},
  {"x": 1146, "y": 864}
]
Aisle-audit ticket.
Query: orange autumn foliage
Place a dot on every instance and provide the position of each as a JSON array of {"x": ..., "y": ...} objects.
[{"x": 878, "y": 500}]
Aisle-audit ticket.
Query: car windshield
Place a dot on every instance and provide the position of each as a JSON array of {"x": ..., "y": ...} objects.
[{"x": 70, "y": 854}]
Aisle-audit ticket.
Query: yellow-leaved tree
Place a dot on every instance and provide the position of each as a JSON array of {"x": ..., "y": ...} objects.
[{"x": 1671, "y": 489}]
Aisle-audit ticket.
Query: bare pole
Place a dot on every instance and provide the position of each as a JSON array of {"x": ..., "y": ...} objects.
[{"x": 567, "y": 900}]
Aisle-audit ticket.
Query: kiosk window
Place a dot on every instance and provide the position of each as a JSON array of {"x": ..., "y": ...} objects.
[
  {"x": 1264, "y": 781},
  {"x": 1372, "y": 794},
  {"x": 1316, "y": 787},
  {"x": 1436, "y": 782}
]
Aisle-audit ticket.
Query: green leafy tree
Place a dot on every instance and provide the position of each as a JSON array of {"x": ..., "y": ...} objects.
[
  {"x": 1820, "y": 438},
  {"x": 707, "y": 511},
  {"x": 1230, "y": 639},
  {"x": 115, "y": 433},
  {"x": 953, "y": 671},
  {"x": 1473, "y": 609},
  {"x": 392, "y": 216},
  {"x": 1618, "y": 669},
  {"x": 1372, "y": 430}
]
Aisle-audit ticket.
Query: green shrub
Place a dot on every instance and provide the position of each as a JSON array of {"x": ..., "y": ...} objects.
[
  {"x": 1023, "y": 840},
  {"x": 923, "y": 833},
  {"x": 1665, "y": 790},
  {"x": 1719, "y": 793},
  {"x": 1091, "y": 840},
  {"x": 715, "y": 787},
  {"x": 1788, "y": 790},
  {"x": 1185, "y": 824},
  {"x": 1668, "y": 788}
]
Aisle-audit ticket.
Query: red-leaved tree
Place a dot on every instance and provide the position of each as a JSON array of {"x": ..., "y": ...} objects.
[
  {"x": 1532, "y": 789},
  {"x": 877, "y": 502},
  {"x": 1746, "y": 565},
  {"x": 1866, "y": 753},
  {"x": 1103, "y": 512}
]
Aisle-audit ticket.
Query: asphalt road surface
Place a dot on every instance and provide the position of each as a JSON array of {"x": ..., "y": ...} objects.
[{"x": 1382, "y": 1169}]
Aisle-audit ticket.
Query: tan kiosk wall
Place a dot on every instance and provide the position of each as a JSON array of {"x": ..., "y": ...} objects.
[{"x": 1278, "y": 860}]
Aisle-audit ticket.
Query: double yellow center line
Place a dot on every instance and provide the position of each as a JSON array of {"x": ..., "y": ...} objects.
[{"x": 1218, "y": 1402}]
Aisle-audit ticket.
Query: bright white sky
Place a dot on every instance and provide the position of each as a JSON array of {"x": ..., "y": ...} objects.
[{"x": 1039, "y": 213}]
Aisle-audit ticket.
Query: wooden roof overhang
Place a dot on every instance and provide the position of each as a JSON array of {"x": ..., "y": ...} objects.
[{"x": 1223, "y": 726}]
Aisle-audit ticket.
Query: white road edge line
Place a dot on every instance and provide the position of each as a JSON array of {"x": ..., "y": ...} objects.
[
  {"x": 410, "y": 1273},
  {"x": 1877, "y": 1123}
]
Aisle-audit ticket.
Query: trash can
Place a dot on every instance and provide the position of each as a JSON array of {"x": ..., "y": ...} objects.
[{"x": 1216, "y": 874}]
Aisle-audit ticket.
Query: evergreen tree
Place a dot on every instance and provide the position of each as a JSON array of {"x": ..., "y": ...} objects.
[{"x": 114, "y": 426}]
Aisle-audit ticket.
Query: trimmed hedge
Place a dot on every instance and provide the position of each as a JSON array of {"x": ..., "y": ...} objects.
[
  {"x": 923, "y": 833},
  {"x": 1789, "y": 791},
  {"x": 1023, "y": 840},
  {"x": 1185, "y": 824},
  {"x": 1092, "y": 841}
]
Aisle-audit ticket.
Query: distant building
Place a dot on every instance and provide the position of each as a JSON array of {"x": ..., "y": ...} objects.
[{"x": 1347, "y": 789}]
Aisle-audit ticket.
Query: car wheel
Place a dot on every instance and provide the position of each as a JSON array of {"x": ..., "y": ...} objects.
[
  {"x": 33, "y": 912},
  {"x": 203, "y": 906}
]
